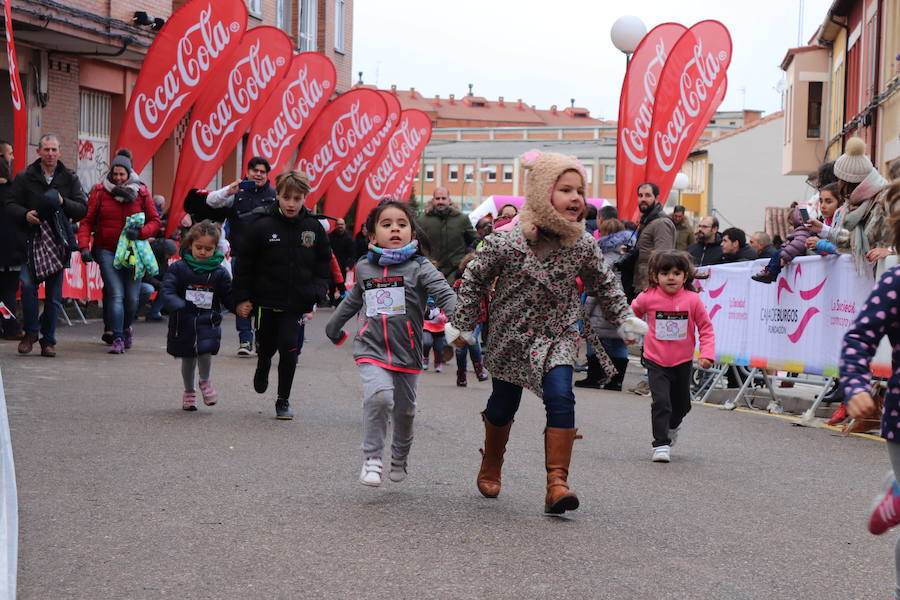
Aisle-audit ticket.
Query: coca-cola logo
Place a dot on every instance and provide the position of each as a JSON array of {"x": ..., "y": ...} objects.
[
  {"x": 14, "y": 83},
  {"x": 634, "y": 139},
  {"x": 698, "y": 83},
  {"x": 346, "y": 133},
  {"x": 348, "y": 179},
  {"x": 298, "y": 100},
  {"x": 248, "y": 78},
  {"x": 200, "y": 45},
  {"x": 401, "y": 147}
]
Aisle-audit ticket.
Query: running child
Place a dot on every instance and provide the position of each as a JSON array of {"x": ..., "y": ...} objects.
[
  {"x": 282, "y": 273},
  {"x": 393, "y": 284},
  {"x": 194, "y": 290},
  {"x": 676, "y": 315},
  {"x": 535, "y": 265}
]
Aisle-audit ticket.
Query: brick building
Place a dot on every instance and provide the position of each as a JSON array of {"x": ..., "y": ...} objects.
[{"x": 79, "y": 60}]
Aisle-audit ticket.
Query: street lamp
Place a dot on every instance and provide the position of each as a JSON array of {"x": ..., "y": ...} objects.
[
  {"x": 626, "y": 33},
  {"x": 681, "y": 182}
]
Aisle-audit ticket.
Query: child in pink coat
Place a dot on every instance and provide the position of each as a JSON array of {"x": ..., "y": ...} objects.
[{"x": 675, "y": 315}]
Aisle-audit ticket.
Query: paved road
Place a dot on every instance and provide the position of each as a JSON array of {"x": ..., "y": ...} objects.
[{"x": 124, "y": 495}]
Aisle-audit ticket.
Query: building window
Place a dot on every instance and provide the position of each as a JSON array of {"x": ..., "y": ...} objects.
[
  {"x": 609, "y": 173},
  {"x": 507, "y": 173},
  {"x": 429, "y": 172},
  {"x": 589, "y": 173},
  {"x": 307, "y": 26},
  {"x": 453, "y": 173},
  {"x": 491, "y": 174},
  {"x": 468, "y": 172},
  {"x": 814, "y": 110},
  {"x": 339, "y": 25},
  {"x": 283, "y": 15},
  {"x": 255, "y": 8}
]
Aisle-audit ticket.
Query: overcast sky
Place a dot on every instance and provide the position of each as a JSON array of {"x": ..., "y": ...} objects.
[{"x": 549, "y": 52}]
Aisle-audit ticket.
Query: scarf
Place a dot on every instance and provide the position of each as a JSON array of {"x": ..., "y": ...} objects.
[
  {"x": 125, "y": 193},
  {"x": 865, "y": 217},
  {"x": 388, "y": 256},
  {"x": 135, "y": 254},
  {"x": 203, "y": 266}
]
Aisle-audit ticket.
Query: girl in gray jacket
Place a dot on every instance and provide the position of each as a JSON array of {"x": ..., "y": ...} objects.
[{"x": 393, "y": 284}]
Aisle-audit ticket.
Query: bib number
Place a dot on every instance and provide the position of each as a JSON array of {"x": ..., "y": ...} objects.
[
  {"x": 385, "y": 296},
  {"x": 671, "y": 325},
  {"x": 200, "y": 298}
]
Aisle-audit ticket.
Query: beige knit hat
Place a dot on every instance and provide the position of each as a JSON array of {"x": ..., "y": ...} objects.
[
  {"x": 543, "y": 169},
  {"x": 853, "y": 165}
]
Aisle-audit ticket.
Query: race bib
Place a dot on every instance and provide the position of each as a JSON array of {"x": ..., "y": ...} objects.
[
  {"x": 385, "y": 296},
  {"x": 199, "y": 297},
  {"x": 671, "y": 325}
]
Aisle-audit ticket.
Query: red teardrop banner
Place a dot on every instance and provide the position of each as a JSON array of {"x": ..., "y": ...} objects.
[
  {"x": 403, "y": 150},
  {"x": 239, "y": 89},
  {"x": 636, "y": 112},
  {"x": 404, "y": 184},
  {"x": 343, "y": 191},
  {"x": 20, "y": 112},
  {"x": 347, "y": 124},
  {"x": 291, "y": 110},
  {"x": 693, "y": 85},
  {"x": 196, "y": 39}
]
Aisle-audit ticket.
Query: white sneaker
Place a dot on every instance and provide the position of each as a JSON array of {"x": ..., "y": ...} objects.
[
  {"x": 398, "y": 469},
  {"x": 371, "y": 471},
  {"x": 662, "y": 454},
  {"x": 673, "y": 436}
]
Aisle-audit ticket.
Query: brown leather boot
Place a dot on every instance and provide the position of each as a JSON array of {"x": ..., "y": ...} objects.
[
  {"x": 461, "y": 378},
  {"x": 495, "y": 439},
  {"x": 557, "y": 456},
  {"x": 48, "y": 349},
  {"x": 27, "y": 342},
  {"x": 480, "y": 372}
]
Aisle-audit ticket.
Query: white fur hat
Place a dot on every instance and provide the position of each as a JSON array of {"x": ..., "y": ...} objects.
[{"x": 543, "y": 169}]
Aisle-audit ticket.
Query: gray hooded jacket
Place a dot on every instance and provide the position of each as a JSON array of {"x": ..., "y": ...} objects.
[{"x": 391, "y": 301}]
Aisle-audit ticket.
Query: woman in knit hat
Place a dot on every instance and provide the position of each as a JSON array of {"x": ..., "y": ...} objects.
[
  {"x": 535, "y": 265},
  {"x": 120, "y": 195},
  {"x": 864, "y": 214}
]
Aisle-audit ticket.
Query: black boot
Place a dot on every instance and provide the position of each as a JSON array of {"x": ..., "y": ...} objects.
[
  {"x": 615, "y": 383},
  {"x": 595, "y": 374}
]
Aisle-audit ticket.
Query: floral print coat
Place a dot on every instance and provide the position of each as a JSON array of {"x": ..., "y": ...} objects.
[{"x": 535, "y": 309}]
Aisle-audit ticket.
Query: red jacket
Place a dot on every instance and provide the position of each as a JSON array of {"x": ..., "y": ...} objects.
[{"x": 106, "y": 218}]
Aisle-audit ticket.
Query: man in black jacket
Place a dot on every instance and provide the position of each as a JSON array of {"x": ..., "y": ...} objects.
[
  {"x": 762, "y": 243},
  {"x": 734, "y": 246},
  {"x": 12, "y": 251},
  {"x": 47, "y": 174},
  {"x": 707, "y": 250},
  {"x": 243, "y": 198}
]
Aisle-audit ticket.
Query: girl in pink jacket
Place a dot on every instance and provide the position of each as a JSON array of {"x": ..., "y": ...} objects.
[{"x": 674, "y": 313}]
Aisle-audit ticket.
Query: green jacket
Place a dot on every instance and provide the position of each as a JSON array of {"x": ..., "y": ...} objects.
[{"x": 450, "y": 236}]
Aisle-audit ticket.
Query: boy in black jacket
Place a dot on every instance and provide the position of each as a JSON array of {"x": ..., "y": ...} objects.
[{"x": 282, "y": 273}]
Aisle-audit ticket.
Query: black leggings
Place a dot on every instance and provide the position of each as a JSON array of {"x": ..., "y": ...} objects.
[{"x": 278, "y": 330}]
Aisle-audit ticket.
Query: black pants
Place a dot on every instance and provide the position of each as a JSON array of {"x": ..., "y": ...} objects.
[
  {"x": 279, "y": 330},
  {"x": 670, "y": 388},
  {"x": 9, "y": 286}
]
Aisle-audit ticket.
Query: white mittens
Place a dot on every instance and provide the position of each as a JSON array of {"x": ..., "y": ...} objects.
[
  {"x": 451, "y": 333},
  {"x": 632, "y": 329}
]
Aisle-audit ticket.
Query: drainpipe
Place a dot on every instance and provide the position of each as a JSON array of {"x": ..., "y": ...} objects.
[{"x": 846, "y": 29}]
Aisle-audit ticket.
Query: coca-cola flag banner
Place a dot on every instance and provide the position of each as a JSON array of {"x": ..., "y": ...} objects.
[
  {"x": 347, "y": 124},
  {"x": 291, "y": 110},
  {"x": 403, "y": 150},
  {"x": 636, "y": 111},
  {"x": 340, "y": 194},
  {"x": 692, "y": 86},
  {"x": 404, "y": 185},
  {"x": 195, "y": 40},
  {"x": 228, "y": 105},
  {"x": 20, "y": 112}
]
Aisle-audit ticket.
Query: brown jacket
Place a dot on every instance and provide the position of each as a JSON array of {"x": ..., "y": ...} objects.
[{"x": 656, "y": 233}]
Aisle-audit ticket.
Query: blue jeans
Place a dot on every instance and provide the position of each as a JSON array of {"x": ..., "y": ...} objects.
[
  {"x": 473, "y": 349},
  {"x": 774, "y": 267},
  {"x": 559, "y": 400},
  {"x": 122, "y": 291},
  {"x": 615, "y": 347},
  {"x": 244, "y": 326},
  {"x": 46, "y": 324}
]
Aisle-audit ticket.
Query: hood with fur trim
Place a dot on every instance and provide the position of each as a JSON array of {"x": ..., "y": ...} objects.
[
  {"x": 543, "y": 169},
  {"x": 432, "y": 210}
]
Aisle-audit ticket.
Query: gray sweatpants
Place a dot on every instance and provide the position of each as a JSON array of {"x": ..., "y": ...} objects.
[
  {"x": 387, "y": 394},
  {"x": 202, "y": 364},
  {"x": 894, "y": 453}
]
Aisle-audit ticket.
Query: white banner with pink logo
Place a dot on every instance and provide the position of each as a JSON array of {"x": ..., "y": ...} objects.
[{"x": 796, "y": 324}]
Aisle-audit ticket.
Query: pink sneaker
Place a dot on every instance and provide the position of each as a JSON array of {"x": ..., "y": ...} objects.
[
  {"x": 886, "y": 509},
  {"x": 438, "y": 367},
  {"x": 189, "y": 400},
  {"x": 210, "y": 396}
]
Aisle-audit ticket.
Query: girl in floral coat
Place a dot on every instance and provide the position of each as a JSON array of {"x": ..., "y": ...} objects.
[{"x": 535, "y": 266}]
